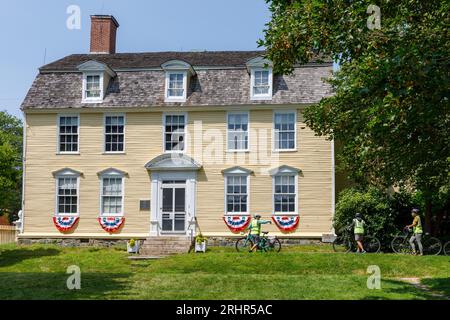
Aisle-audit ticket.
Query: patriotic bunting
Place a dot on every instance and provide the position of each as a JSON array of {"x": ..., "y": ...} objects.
[
  {"x": 286, "y": 223},
  {"x": 111, "y": 224},
  {"x": 64, "y": 223},
  {"x": 237, "y": 223}
]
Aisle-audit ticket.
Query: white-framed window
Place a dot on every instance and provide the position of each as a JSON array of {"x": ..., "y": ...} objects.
[
  {"x": 112, "y": 194},
  {"x": 68, "y": 133},
  {"x": 237, "y": 131},
  {"x": 236, "y": 194},
  {"x": 285, "y": 193},
  {"x": 92, "y": 87},
  {"x": 261, "y": 83},
  {"x": 67, "y": 192},
  {"x": 176, "y": 86},
  {"x": 114, "y": 131},
  {"x": 285, "y": 130},
  {"x": 174, "y": 132}
]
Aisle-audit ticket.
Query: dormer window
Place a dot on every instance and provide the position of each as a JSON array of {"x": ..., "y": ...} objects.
[
  {"x": 261, "y": 79},
  {"x": 93, "y": 84},
  {"x": 96, "y": 77},
  {"x": 178, "y": 74},
  {"x": 176, "y": 86}
]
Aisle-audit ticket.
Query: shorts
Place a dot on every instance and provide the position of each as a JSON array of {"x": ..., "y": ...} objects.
[
  {"x": 255, "y": 239},
  {"x": 359, "y": 237}
]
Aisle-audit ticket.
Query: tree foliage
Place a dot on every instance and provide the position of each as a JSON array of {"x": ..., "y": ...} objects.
[
  {"x": 390, "y": 109},
  {"x": 10, "y": 163}
]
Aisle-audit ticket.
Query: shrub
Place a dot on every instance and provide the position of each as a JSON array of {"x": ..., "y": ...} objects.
[{"x": 384, "y": 214}]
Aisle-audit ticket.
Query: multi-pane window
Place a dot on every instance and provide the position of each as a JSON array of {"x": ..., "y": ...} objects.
[
  {"x": 284, "y": 194},
  {"x": 237, "y": 131},
  {"x": 174, "y": 132},
  {"x": 114, "y": 133},
  {"x": 261, "y": 84},
  {"x": 237, "y": 194},
  {"x": 284, "y": 125},
  {"x": 112, "y": 195},
  {"x": 67, "y": 195},
  {"x": 68, "y": 133},
  {"x": 93, "y": 87},
  {"x": 175, "y": 85}
]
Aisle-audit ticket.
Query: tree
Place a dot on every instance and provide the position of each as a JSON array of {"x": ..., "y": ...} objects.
[
  {"x": 390, "y": 109},
  {"x": 10, "y": 163}
]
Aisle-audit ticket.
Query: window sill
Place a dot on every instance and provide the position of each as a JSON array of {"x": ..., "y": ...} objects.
[
  {"x": 114, "y": 153},
  {"x": 92, "y": 101},
  {"x": 284, "y": 150},
  {"x": 67, "y": 153},
  {"x": 174, "y": 100},
  {"x": 262, "y": 98},
  {"x": 237, "y": 214}
]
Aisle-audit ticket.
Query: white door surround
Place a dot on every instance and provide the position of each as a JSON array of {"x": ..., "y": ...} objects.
[
  {"x": 160, "y": 182},
  {"x": 168, "y": 170}
]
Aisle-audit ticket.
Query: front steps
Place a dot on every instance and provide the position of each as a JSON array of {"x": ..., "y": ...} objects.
[{"x": 164, "y": 246}]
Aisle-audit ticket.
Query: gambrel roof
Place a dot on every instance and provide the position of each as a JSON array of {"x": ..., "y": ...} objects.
[{"x": 220, "y": 78}]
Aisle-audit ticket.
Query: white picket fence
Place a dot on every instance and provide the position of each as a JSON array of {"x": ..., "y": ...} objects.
[{"x": 7, "y": 234}]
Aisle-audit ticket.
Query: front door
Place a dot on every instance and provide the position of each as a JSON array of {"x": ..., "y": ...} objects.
[{"x": 173, "y": 209}]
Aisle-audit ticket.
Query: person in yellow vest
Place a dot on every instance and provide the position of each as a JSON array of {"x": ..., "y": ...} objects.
[
  {"x": 417, "y": 232},
  {"x": 358, "y": 229},
  {"x": 255, "y": 230}
]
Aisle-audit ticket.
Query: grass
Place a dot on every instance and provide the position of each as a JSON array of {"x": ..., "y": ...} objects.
[{"x": 303, "y": 272}]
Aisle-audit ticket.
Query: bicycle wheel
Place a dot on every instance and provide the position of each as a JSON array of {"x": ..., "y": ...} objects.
[
  {"x": 447, "y": 248},
  {"x": 431, "y": 246},
  {"x": 371, "y": 244},
  {"x": 342, "y": 244},
  {"x": 400, "y": 245},
  {"x": 275, "y": 245},
  {"x": 243, "y": 244}
]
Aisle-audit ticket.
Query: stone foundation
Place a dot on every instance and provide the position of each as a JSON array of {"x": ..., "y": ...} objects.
[{"x": 106, "y": 243}]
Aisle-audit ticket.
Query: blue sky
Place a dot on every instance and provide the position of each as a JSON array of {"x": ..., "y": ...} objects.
[{"x": 31, "y": 31}]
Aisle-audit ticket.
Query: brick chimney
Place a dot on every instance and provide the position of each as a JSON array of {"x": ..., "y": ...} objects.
[{"x": 103, "y": 34}]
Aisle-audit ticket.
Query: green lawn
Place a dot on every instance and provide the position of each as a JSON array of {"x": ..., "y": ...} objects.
[{"x": 306, "y": 272}]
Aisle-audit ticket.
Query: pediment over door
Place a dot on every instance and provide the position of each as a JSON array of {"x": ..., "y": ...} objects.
[{"x": 173, "y": 162}]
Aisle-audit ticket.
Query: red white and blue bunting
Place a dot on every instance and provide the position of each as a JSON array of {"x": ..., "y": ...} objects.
[
  {"x": 286, "y": 223},
  {"x": 111, "y": 224},
  {"x": 237, "y": 223},
  {"x": 64, "y": 223}
]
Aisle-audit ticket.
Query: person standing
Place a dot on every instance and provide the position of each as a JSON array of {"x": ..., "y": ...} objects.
[
  {"x": 255, "y": 230},
  {"x": 358, "y": 225},
  {"x": 417, "y": 232}
]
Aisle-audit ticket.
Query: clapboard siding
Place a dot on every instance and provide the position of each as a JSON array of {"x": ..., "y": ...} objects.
[{"x": 144, "y": 142}]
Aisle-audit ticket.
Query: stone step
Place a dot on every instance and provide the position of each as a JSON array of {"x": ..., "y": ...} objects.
[{"x": 165, "y": 245}]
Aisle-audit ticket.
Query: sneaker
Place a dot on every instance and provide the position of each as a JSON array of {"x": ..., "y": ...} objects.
[{"x": 364, "y": 251}]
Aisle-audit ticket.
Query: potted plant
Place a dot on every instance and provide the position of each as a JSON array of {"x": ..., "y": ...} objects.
[
  {"x": 133, "y": 246},
  {"x": 200, "y": 243}
]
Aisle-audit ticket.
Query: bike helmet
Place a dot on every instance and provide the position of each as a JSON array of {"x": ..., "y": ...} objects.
[
  {"x": 415, "y": 210},
  {"x": 257, "y": 216},
  {"x": 358, "y": 215}
]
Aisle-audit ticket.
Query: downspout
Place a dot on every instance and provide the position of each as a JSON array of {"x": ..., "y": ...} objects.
[
  {"x": 333, "y": 184},
  {"x": 24, "y": 152}
]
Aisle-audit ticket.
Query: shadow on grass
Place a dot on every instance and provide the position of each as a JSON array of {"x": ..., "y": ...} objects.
[
  {"x": 53, "y": 285},
  {"x": 440, "y": 285},
  {"x": 11, "y": 257},
  {"x": 403, "y": 289}
]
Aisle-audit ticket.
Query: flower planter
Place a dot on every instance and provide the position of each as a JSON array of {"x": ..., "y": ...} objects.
[
  {"x": 133, "y": 249},
  {"x": 200, "y": 246}
]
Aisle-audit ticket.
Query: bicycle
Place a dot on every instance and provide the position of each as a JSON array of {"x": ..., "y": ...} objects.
[
  {"x": 265, "y": 243},
  {"x": 400, "y": 243},
  {"x": 345, "y": 242},
  {"x": 447, "y": 248}
]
